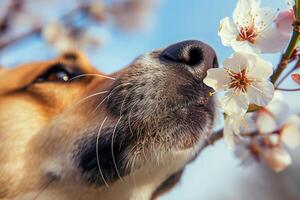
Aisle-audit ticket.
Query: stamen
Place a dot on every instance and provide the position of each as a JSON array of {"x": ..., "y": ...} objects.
[
  {"x": 247, "y": 34},
  {"x": 249, "y": 30},
  {"x": 239, "y": 81}
]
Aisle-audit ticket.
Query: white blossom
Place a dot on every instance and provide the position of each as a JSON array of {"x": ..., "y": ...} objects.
[
  {"x": 252, "y": 29},
  {"x": 64, "y": 39},
  {"x": 290, "y": 132},
  {"x": 57, "y": 35},
  {"x": 269, "y": 118},
  {"x": 245, "y": 79},
  {"x": 277, "y": 158}
]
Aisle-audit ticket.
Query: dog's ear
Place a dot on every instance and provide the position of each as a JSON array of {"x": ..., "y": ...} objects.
[
  {"x": 78, "y": 59},
  {"x": 74, "y": 56}
]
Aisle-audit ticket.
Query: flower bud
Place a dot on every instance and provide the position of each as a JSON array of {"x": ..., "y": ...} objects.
[
  {"x": 284, "y": 22},
  {"x": 277, "y": 158}
]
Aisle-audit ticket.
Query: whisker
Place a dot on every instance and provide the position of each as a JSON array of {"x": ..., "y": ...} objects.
[
  {"x": 156, "y": 150},
  {"x": 90, "y": 96},
  {"x": 123, "y": 103},
  {"x": 144, "y": 153},
  {"x": 112, "y": 148},
  {"x": 97, "y": 153},
  {"x": 159, "y": 154},
  {"x": 98, "y": 75},
  {"x": 129, "y": 118},
  {"x": 101, "y": 103},
  {"x": 153, "y": 152},
  {"x": 107, "y": 97}
]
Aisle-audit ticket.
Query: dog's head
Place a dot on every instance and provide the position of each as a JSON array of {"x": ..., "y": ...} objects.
[{"x": 68, "y": 130}]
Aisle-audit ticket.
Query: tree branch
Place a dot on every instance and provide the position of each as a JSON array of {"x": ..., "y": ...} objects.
[
  {"x": 19, "y": 38},
  {"x": 213, "y": 138}
]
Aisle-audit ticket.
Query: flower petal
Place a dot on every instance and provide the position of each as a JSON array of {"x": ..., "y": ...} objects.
[
  {"x": 290, "y": 132},
  {"x": 277, "y": 158},
  {"x": 265, "y": 122},
  {"x": 228, "y": 136},
  {"x": 271, "y": 41},
  {"x": 284, "y": 21},
  {"x": 237, "y": 62},
  {"x": 242, "y": 11},
  {"x": 235, "y": 103},
  {"x": 217, "y": 79},
  {"x": 278, "y": 108},
  {"x": 231, "y": 128},
  {"x": 244, "y": 46},
  {"x": 296, "y": 78},
  {"x": 258, "y": 67},
  {"x": 249, "y": 124},
  {"x": 293, "y": 120},
  {"x": 227, "y": 31},
  {"x": 263, "y": 17},
  {"x": 260, "y": 92},
  {"x": 290, "y": 135}
]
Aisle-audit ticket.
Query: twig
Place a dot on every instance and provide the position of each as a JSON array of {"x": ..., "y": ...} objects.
[
  {"x": 216, "y": 136},
  {"x": 288, "y": 73},
  {"x": 213, "y": 138},
  {"x": 6, "y": 43},
  {"x": 36, "y": 31},
  {"x": 14, "y": 7},
  {"x": 288, "y": 90}
]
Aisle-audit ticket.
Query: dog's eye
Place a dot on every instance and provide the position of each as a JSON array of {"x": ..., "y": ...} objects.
[{"x": 57, "y": 73}]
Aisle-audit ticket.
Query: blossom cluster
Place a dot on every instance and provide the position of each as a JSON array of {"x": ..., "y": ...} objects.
[
  {"x": 245, "y": 81},
  {"x": 93, "y": 31},
  {"x": 82, "y": 24}
]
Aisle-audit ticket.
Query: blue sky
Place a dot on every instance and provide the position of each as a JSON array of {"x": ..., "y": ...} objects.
[{"x": 175, "y": 20}]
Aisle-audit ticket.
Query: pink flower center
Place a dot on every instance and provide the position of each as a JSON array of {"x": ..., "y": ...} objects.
[
  {"x": 247, "y": 34},
  {"x": 239, "y": 81}
]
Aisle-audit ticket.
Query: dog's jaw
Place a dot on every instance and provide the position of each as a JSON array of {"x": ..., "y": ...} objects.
[{"x": 137, "y": 186}]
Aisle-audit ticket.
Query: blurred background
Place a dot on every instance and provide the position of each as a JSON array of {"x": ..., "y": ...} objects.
[{"x": 112, "y": 33}]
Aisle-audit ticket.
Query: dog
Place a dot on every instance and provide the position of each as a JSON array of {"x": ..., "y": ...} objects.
[{"x": 68, "y": 131}]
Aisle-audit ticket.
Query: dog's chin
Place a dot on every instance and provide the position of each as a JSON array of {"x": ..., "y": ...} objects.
[{"x": 104, "y": 160}]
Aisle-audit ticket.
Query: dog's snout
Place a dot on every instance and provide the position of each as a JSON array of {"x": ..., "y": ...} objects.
[{"x": 187, "y": 52}]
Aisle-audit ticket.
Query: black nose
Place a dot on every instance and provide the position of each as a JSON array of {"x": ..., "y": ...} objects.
[{"x": 191, "y": 53}]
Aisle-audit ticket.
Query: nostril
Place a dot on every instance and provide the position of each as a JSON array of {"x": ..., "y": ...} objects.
[
  {"x": 215, "y": 62},
  {"x": 188, "y": 52},
  {"x": 195, "y": 57}
]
